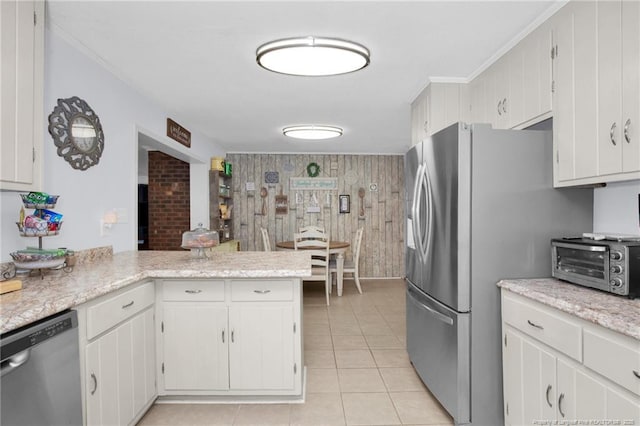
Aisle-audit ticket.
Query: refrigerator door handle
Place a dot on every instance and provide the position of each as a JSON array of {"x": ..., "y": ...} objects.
[
  {"x": 417, "y": 224},
  {"x": 441, "y": 317},
  {"x": 427, "y": 246}
]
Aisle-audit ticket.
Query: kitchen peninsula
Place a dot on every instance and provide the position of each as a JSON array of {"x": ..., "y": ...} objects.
[{"x": 166, "y": 324}]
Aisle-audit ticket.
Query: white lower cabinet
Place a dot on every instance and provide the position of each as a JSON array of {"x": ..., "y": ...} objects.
[
  {"x": 230, "y": 337},
  {"x": 262, "y": 347},
  {"x": 543, "y": 383},
  {"x": 195, "y": 346},
  {"x": 119, "y": 364}
]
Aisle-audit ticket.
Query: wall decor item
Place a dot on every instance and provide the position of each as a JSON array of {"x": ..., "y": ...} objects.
[
  {"x": 271, "y": 177},
  {"x": 288, "y": 167},
  {"x": 345, "y": 203},
  {"x": 361, "y": 195},
  {"x": 351, "y": 177},
  {"x": 373, "y": 187},
  {"x": 313, "y": 170},
  {"x": 282, "y": 203},
  {"x": 178, "y": 133},
  {"x": 250, "y": 186},
  {"x": 77, "y": 132},
  {"x": 299, "y": 198},
  {"x": 263, "y": 194},
  {"x": 313, "y": 184}
]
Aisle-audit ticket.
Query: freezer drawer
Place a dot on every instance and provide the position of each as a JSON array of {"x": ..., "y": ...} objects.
[{"x": 438, "y": 344}]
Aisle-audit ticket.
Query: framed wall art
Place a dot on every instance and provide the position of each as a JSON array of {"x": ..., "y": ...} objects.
[{"x": 345, "y": 203}]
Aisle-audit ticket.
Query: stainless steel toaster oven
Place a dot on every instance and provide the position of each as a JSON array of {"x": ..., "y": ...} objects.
[{"x": 612, "y": 266}]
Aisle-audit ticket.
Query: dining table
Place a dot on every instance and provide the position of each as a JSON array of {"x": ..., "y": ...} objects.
[{"x": 337, "y": 248}]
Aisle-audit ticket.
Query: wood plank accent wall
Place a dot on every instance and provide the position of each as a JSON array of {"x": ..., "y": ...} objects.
[{"x": 382, "y": 252}]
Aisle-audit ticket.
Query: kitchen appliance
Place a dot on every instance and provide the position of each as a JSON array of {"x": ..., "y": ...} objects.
[
  {"x": 40, "y": 373},
  {"x": 608, "y": 265},
  {"x": 480, "y": 207}
]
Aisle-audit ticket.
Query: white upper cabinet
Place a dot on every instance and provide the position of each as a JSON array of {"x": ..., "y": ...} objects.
[
  {"x": 436, "y": 107},
  {"x": 515, "y": 91},
  {"x": 21, "y": 94},
  {"x": 596, "y": 101}
]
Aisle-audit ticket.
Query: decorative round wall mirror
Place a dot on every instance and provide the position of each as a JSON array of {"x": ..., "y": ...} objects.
[{"x": 77, "y": 132}]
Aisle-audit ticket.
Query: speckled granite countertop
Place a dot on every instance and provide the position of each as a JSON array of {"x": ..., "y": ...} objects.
[
  {"x": 58, "y": 290},
  {"x": 616, "y": 313}
]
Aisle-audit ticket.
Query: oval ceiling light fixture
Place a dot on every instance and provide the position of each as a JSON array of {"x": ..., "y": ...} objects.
[
  {"x": 312, "y": 132},
  {"x": 312, "y": 56}
]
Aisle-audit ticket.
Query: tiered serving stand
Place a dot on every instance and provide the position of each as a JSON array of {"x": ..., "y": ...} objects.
[{"x": 40, "y": 261}]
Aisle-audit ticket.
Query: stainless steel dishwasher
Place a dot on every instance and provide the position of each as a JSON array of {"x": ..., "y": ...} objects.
[{"x": 40, "y": 373}]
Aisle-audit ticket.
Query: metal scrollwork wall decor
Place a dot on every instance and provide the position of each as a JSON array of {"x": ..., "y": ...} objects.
[{"x": 77, "y": 132}]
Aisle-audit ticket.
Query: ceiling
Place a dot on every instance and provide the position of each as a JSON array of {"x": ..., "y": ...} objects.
[{"x": 197, "y": 60}]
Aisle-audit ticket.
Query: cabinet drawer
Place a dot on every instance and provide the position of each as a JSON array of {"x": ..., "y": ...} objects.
[
  {"x": 534, "y": 320},
  {"x": 258, "y": 290},
  {"x": 113, "y": 310},
  {"x": 615, "y": 357},
  {"x": 193, "y": 291}
]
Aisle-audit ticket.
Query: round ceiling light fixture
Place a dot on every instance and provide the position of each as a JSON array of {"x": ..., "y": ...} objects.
[
  {"x": 312, "y": 56},
  {"x": 312, "y": 132}
]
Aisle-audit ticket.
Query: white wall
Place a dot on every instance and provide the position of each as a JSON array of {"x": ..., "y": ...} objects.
[
  {"x": 86, "y": 195},
  {"x": 615, "y": 208}
]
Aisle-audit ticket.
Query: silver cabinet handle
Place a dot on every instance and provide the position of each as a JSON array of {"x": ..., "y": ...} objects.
[
  {"x": 233, "y": 336},
  {"x": 560, "y": 404},
  {"x": 547, "y": 395},
  {"x": 262, "y": 291},
  {"x": 500, "y": 108},
  {"x": 95, "y": 383},
  {"x": 426, "y": 126},
  {"x": 611, "y": 134},
  {"x": 127, "y": 305},
  {"x": 533, "y": 324},
  {"x": 504, "y": 105},
  {"x": 626, "y": 130},
  {"x": 635, "y": 373},
  {"x": 193, "y": 291},
  {"x": 222, "y": 336}
]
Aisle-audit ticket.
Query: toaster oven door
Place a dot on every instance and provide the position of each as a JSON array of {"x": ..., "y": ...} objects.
[{"x": 587, "y": 265}]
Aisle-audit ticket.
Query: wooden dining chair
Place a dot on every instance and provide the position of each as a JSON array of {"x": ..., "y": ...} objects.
[
  {"x": 350, "y": 266},
  {"x": 319, "y": 251},
  {"x": 266, "y": 243},
  {"x": 312, "y": 232}
]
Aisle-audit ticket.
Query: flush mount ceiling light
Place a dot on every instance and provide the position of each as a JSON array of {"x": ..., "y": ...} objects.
[
  {"x": 312, "y": 132},
  {"x": 312, "y": 56}
]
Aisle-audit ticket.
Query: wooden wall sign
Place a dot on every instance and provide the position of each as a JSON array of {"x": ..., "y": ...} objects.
[
  {"x": 282, "y": 204},
  {"x": 178, "y": 133},
  {"x": 313, "y": 184}
]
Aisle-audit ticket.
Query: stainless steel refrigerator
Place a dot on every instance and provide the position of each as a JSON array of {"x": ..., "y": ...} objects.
[{"x": 480, "y": 207}]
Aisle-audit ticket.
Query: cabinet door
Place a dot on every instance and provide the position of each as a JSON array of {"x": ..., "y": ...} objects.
[
  {"x": 195, "y": 346},
  {"x": 101, "y": 378},
  {"x": 143, "y": 360},
  {"x": 261, "y": 352},
  {"x": 536, "y": 49},
  {"x": 566, "y": 394},
  {"x": 539, "y": 383},
  {"x": 21, "y": 82},
  {"x": 501, "y": 81},
  {"x": 513, "y": 382},
  {"x": 478, "y": 102},
  {"x": 630, "y": 85},
  {"x": 515, "y": 101},
  {"x": 598, "y": 399},
  {"x": 609, "y": 86},
  {"x": 120, "y": 379}
]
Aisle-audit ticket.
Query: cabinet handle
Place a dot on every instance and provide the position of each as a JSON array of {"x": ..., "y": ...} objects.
[
  {"x": 193, "y": 291},
  {"x": 127, "y": 305},
  {"x": 232, "y": 337},
  {"x": 635, "y": 373},
  {"x": 222, "y": 336},
  {"x": 533, "y": 324},
  {"x": 426, "y": 126},
  {"x": 95, "y": 383},
  {"x": 504, "y": 105},
  {"x": 560, "y": 404},
  {"x": 626, "y": 130},
  {"x": 262, "y": 291},
  {"x": 547, "y": 394},
  {"x": 500, "y": 108},
  {"x": 611, "y": 134}
]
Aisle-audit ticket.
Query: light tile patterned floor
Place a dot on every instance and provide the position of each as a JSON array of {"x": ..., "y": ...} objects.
[{"x": 358, "y": 371}]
